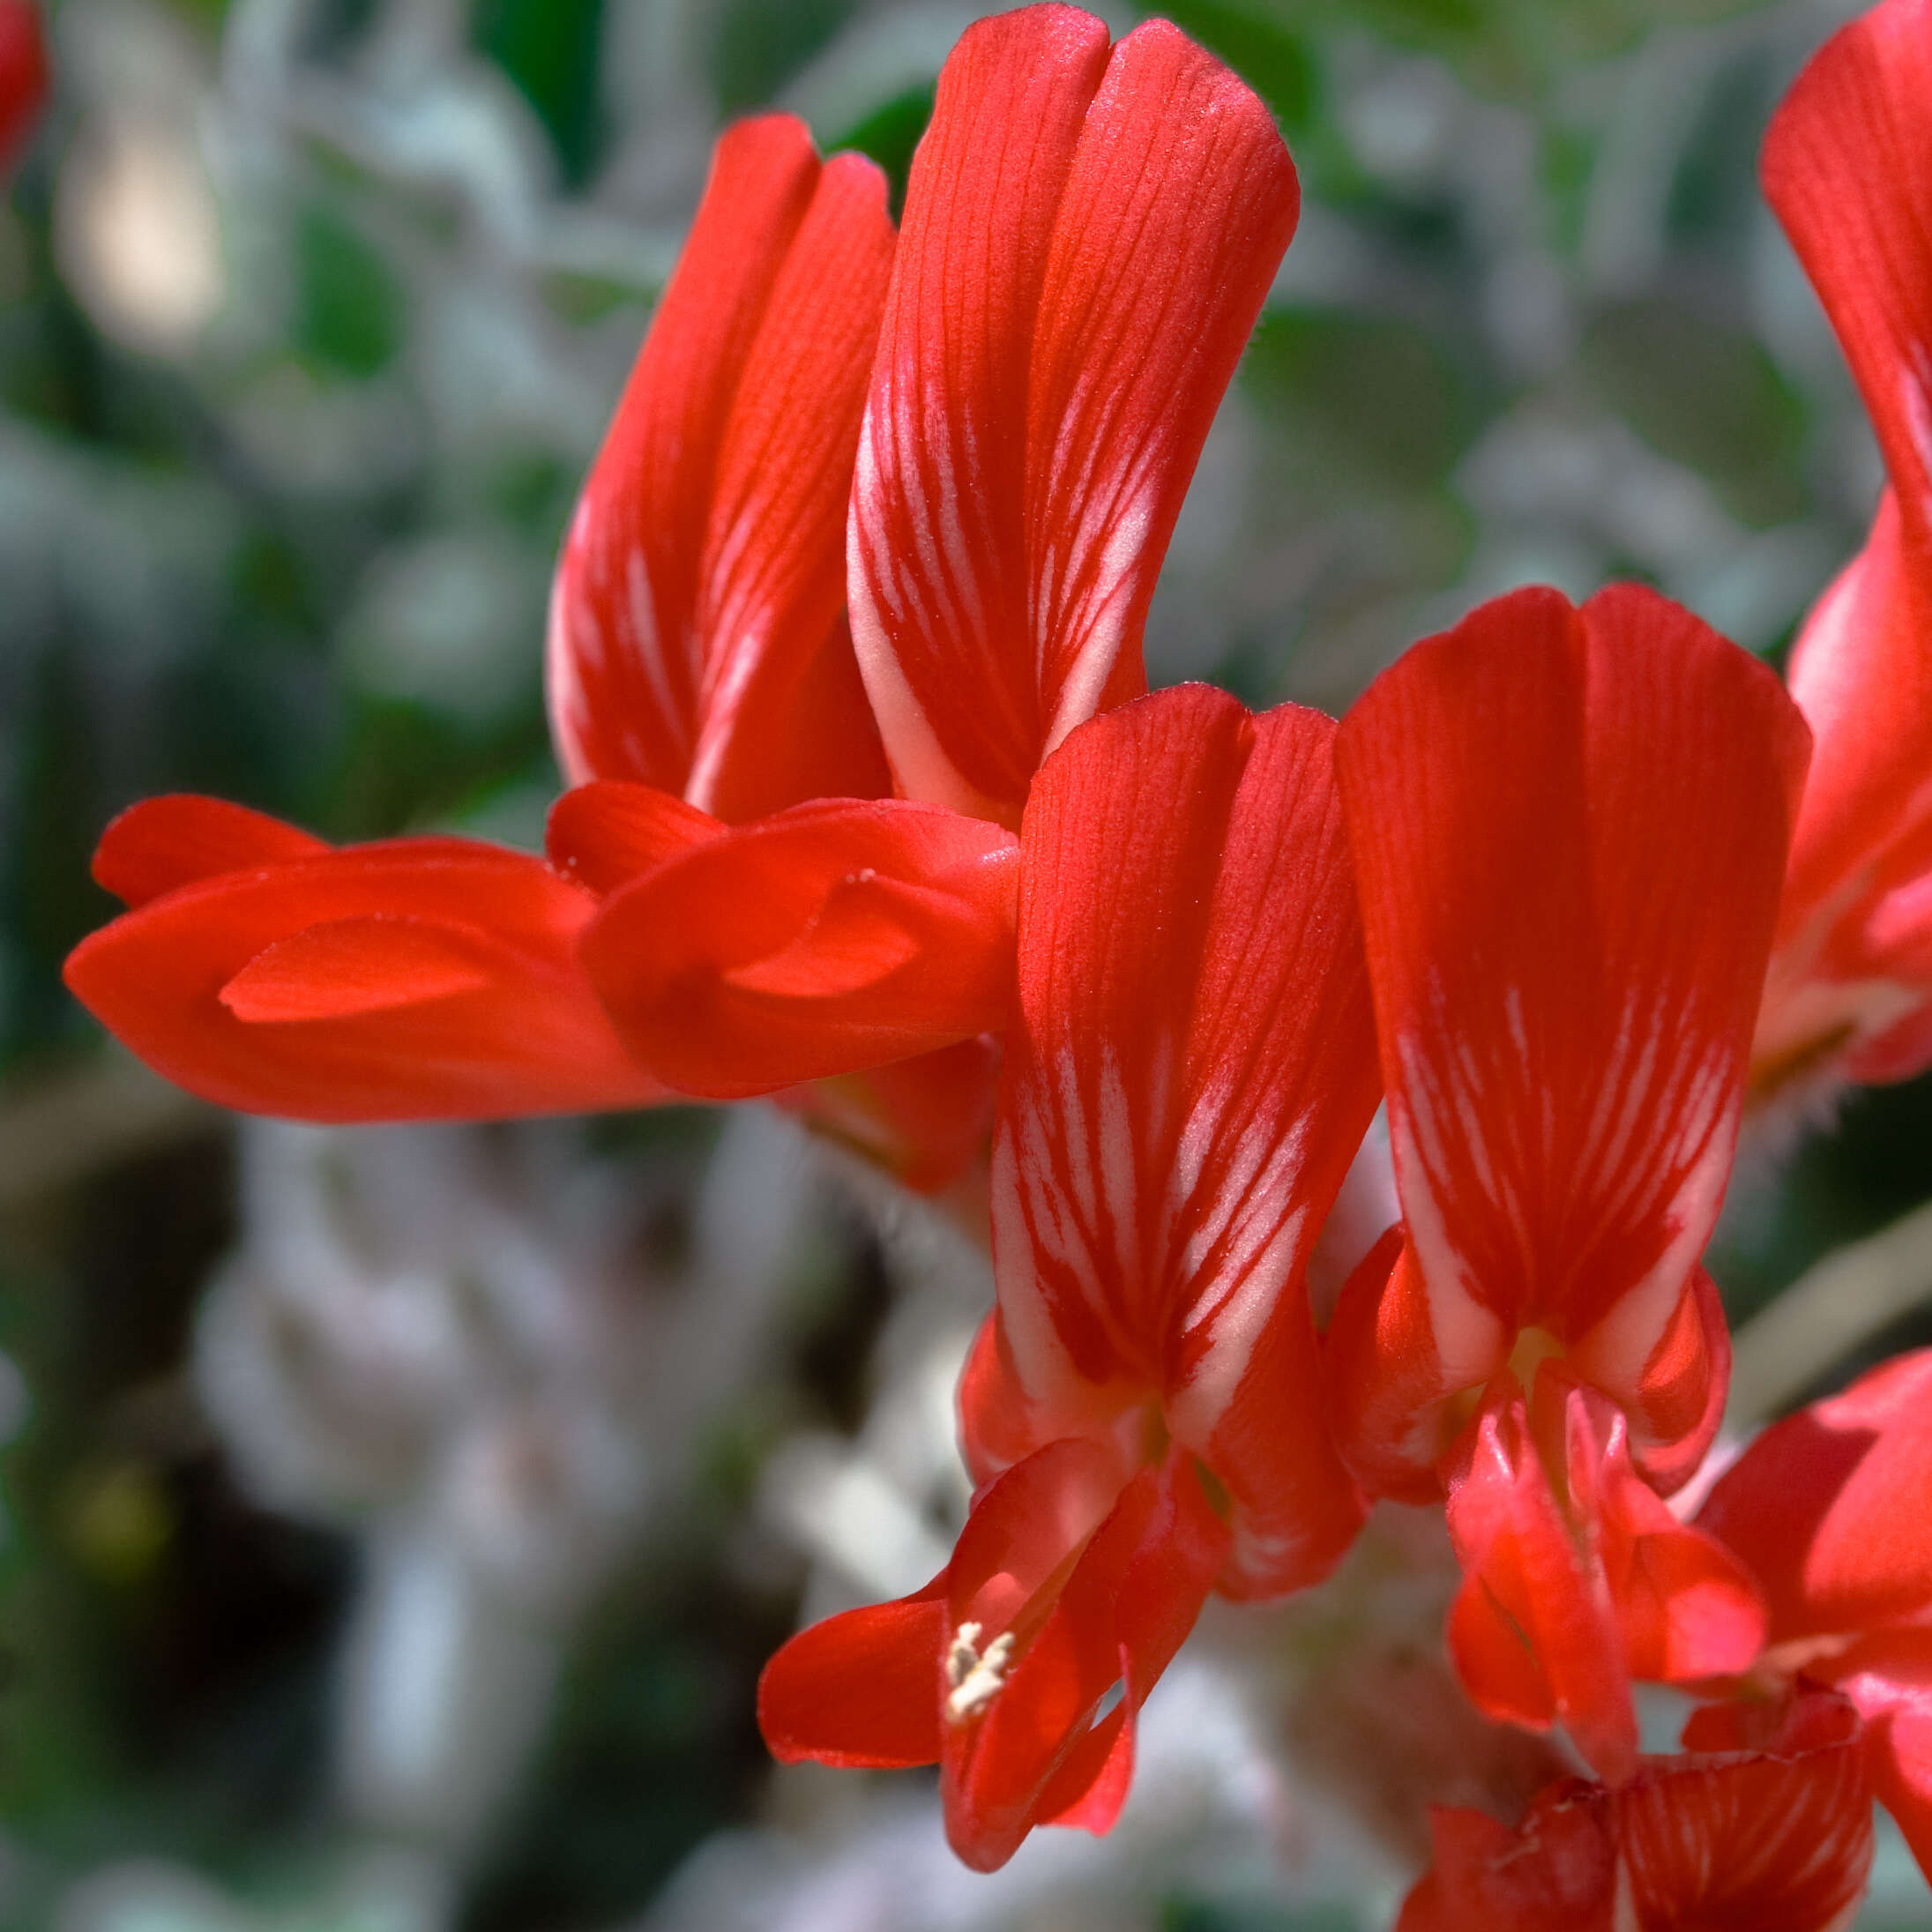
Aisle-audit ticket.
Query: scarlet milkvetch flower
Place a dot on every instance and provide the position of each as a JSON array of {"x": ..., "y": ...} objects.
[
  {"x": 1088, "y": 236},
  {"x": 1847, "y": 166},
  {"x": 1766, "y": 1824},
  {"x": 1568, "y": 827},
  {"x": 1832, "y": 1509},
  {"x": 23, "y": 75},
  {"x": 1188, "y": 1072},
  {"x": 696, "y": 643}
]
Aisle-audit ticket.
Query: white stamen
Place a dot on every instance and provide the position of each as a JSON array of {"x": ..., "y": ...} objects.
[{"x": 975, "y": 1680}]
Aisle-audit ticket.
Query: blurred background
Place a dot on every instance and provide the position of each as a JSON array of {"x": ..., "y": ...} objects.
[{"x": 392, "y": 1523}]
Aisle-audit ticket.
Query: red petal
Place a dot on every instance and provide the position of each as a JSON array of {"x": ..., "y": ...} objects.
[
  {"x": 1557, "y": 1872},
  {"x": 1087, "y": 242},
  {"x": 1125, "y": 1608},
  {"x": 859, "y": 1690},
  {"x": 607, "y": 834},
  {"x": 1847, "y": 166},
  {"x": 925, "y": 1120},
  {"x": 162, "y": 843},
  {"x": 374, "y": 965},
  {"x": 695, "y": 621},
  {"x": 1532, "y": 1631},
  {"x": 1831, "y": 1508},
  {"x": 422, "y": 979},
  {"x": 1861, "y": 674},
  {"x": 828, "y": 939},
  {"x": 1387, "y": 1383},
  {"x": 23, "y": 74},
  {"x": 1686, "y": 1607},
  {"x": 1889, "y": 1678},
  {"x": 1779, "y": 1838},
  {"x": 1566, "y": 1062},
  {"x": 1774, "y": 1834},
  {"x": 1190, "y": 1077}
]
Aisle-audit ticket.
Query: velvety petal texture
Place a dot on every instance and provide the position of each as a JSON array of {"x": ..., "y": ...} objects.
[
  {"x": 415, "y": 979},
  {"x": 1190, "y": 1073},
  {"x": 1766, "y": 1826},
  {"x": 1072, "y": 1578},
  {"x": 698, "y": 641},
  {"x": 1569, "y": 828},
  {"x": 1088, "y": 236},
  {"x": 830, "y": 938}
]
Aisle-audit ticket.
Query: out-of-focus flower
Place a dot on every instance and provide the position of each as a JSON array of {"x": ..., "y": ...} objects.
[
  {"x": 1847, "y": 166},
  {"x": 1766, "y": 1824},
  {"x": 1831, "y": 1509},
  {"x": 1569, "y": 828},
  {"x": 1183, "y": 1094},
  {"x": 23, "y": 75}
]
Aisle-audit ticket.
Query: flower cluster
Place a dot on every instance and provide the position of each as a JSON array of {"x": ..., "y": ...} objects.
[{"x": 871, "y": 813}]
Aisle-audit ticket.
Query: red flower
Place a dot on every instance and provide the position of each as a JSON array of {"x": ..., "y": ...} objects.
[
  {"x": 1568, "y": 829},
  {"x": 1831, "y": 1509},
  {"x": 1767, "y": 1824},
  {"x": 23, "y": 75},
  {"x": 1188, "y": 1073},
  {"x": 696, "y": 642},
  {"x": 1088, "y": 237},
  {"x": 1847, "y": 166}
]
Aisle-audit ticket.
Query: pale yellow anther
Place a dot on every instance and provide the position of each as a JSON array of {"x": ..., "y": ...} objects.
[{"x": 975, "y": 1680}]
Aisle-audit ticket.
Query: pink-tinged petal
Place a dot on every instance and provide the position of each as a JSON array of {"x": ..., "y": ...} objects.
[
  {"x": 696, "y": 621},
  {"x": 421, "y": 978},
  {"x": 825, "y": 940},
  {"x": 1889, "y": 1678},
  {"x": 1127, "y": 1602},
  {"x": 23, "y": 75},
  {"x": 1087, "y": 242},
  {"x": 607, "y": 834},
  {"x": 1831, "y": 1508},
  {"x": 1775, "y": 1831},
  {"x": 1847, "y": 166},
  {"x": 1191, "y": 1074},
  {"x": 163, "y": 843},
  {"x": 1533, "y": 1630},
  {"x": 860, "y": 1690},
  {"x": 1555, "y": 1872},
  {"x": 1569, "y": 829}
]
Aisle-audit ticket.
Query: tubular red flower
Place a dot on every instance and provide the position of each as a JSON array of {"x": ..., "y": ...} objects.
[
  {"x": 419, "y": 978},
  {"x": 1073, "y": 1577},
  {"x": 698, "y": 642},
  {"x": 1847, "y": 166},
  {"x": 1767, "y": 1825},
  {"x": 1088, "y": 240},
  {"x": 1832, "y": 1509},
  {"x": 1189, "y": 1075},
  {"x": 1569, "y": 828}
]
